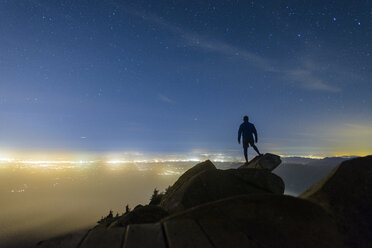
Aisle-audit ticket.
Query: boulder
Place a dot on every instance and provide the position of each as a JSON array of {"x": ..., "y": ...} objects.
[
  {"x": 141, "y": 215},
  {"x": 210, "y": 185},
  {"x": 346, "y": 193},
  {"x": 206, "y": 165},
  {"x": 260, "y": 179},
  {"x": 268, "y": 161},
  {"x": 264, "y": 220}
]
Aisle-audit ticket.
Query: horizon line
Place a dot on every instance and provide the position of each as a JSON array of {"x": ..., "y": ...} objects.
[{"x": 151, "y": 160}]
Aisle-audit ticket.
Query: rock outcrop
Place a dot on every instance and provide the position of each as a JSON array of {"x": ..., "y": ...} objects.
[
  {"x": 212, "y": 184},
  {"x": 185, "y": 177},
  {"x": 267, "y": 161},
  {"x": 262, "y": 220},
  {"x": 346, "y": 193}
]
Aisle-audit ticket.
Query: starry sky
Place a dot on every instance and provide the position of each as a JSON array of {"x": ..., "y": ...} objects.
[{"x": 177, "y": 77}]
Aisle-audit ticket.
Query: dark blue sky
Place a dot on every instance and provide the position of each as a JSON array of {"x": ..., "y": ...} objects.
[{"x": 178, "y": 76}]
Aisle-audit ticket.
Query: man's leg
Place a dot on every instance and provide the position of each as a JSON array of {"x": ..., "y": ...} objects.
[
  {"x": 246, "y": 153},
  {"x": 256, "y": 149}
]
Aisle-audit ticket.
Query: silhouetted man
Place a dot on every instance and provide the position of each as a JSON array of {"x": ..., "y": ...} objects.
[{"x": 247, "y": 130}]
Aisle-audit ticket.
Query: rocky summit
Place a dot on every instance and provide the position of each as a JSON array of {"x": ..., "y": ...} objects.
[
  {"x": 211, "y": 184},
  {"x": 244, "y": 207}
]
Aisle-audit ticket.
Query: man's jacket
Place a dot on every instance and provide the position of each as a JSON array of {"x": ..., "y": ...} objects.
[{"x": 247, "y": 130}]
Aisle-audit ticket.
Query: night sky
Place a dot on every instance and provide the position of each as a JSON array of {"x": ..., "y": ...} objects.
[{"x": 177, "y": 77}]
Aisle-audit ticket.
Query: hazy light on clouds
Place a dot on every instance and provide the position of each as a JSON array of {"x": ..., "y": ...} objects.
[
  {"x": 308, "y": 80},
  {"x": 303, "y": 76},
  {"x": 164, "y": 98},
  {"x": 338, "y": 138}
]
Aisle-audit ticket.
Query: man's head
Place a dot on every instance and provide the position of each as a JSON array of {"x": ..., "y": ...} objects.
[{"x": 245, "y": 118}]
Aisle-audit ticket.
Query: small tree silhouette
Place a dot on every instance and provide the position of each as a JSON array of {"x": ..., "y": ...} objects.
[
  {"x": 107, "y": 218},
  {"x": 167, "y": 189},
  {"x": 156, "y": 197},
  {"x": 127, "y": 209},
  {"x": 110, "y": 215}
]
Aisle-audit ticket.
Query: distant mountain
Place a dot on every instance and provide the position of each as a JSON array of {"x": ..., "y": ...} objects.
[
  {"x": 300, "y": 173},
  {"x": 313, "y": 161}
]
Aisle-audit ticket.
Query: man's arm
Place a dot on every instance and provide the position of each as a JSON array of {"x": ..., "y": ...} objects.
[
  {"x": 255, "y": 133},
  {"x": 240, "y": 133}
]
